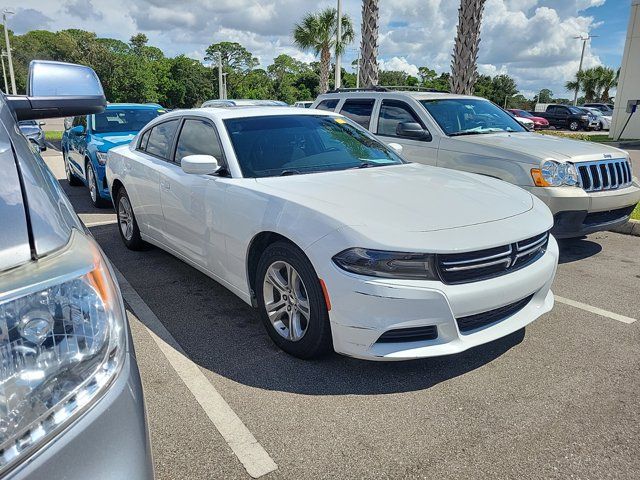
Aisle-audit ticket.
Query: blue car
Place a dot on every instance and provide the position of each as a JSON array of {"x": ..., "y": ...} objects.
[{"x": 86, "y": 143}]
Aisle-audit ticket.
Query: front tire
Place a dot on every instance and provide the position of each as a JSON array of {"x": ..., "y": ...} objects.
[
  {"x": 291, "y": 302},
  {"x": 598, "y": 127},
  {"x": 574, "y": 126},
  {"x": 71, "y": 177},
  {"x": 94, "y": 191},
  {"x": 127, "y": 223}
]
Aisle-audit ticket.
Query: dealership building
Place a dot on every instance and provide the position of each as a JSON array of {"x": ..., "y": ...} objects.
[{"x": 628, "y": 91}]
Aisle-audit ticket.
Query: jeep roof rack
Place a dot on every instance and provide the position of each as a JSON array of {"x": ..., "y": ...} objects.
[{"x": 387, "y": 88}]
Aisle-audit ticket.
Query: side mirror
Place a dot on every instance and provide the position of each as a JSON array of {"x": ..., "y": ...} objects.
[
  {"x": 396, "y": 147},
  {"x": 413, "y": 130},
  {"x": 200, "y": 164},
  {"x": 77, "y": 130},
  {"x": 58, "y": 89},
  {"x": 42, "y": 124}
]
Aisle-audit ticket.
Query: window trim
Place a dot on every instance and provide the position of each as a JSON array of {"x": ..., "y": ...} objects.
[
  {"x": 221, "y": 161},
  {"x": 151, "y": 127},
  {"x": 405, "y": 105}
]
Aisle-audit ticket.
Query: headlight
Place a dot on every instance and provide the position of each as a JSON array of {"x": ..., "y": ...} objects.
[
  {"x": 378, "y": 263},
  {"x": 554, "y": 174},
  {"x": 584, "y": 117},
  {"x": 102, "y": 157},
  {"x": 62, "y": 341}
]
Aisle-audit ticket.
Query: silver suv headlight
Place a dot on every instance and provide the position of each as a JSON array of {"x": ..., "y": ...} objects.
[
  {"x": 62, "y": 342},
  {"x": 555, "y": 174}
]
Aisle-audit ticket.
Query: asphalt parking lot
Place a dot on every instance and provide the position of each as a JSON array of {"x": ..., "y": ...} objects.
[{"x": 559, "y": 399}]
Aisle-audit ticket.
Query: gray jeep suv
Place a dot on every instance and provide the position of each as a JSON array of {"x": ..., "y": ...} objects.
[{"x": 71, "y": 402}]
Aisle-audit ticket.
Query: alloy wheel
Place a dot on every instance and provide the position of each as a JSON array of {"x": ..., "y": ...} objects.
[
  {"x": 286, "y": 301},
  {"x": 92, "y": 185},
  {"x": 125, "y": 218}
]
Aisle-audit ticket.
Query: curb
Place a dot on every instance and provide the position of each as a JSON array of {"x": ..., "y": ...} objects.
[{"x": 632, "y": 227}]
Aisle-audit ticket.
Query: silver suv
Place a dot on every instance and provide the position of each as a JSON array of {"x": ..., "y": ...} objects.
[
  {"x": 588, "y": 186},
  {"x": 70, "y": 394}
]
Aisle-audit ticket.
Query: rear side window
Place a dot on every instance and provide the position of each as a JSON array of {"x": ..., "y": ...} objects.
[
  {"x": 198, "y": 137},
  {"x": 143, "y": 140},
  {"x": 161, "y": 139},
  {"x": 391, "y": 114},
  {"x": 359, "y": 111},
  {"x": 328, "y": 105}
]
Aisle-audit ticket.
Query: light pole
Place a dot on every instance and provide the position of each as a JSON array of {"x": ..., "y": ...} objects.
[
  {"x": 4, "y": 72},
  {"x": 220, "y": 86},
  {"x": 358, "y": 72},
  {"x": 6, "y": 12},
  {"x": 224, "y": 86},
  {"x": 338, "y": 80},
  {"x": 584, "y": 45}
]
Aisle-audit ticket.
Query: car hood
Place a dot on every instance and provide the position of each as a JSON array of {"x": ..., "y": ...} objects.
[
  {"x": 28, "y": 130},
  {"x": 539, "y": 146},
  {"x": 106, "y": 141},
  {"x": 409, "y": 198}
]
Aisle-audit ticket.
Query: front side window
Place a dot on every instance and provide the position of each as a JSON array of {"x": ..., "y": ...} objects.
[
  {"x": 161, "y": 139},
  {"x": 328, "y": 105},
  {"x": 273, "y": 145},
  {"x": 123, "y": 119},
  {"x": 198, "y": 137},
  {"x": 393, "y": 113},
  {"x": 359, "y": 111},
  {"x": 79, "y": 120},
  {"x": 470, "y": 116}
]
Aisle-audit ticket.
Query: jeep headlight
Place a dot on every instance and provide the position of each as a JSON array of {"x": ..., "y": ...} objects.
[
  {"x": 554, "y": 174},
  {"x": 62, "y": 341}
]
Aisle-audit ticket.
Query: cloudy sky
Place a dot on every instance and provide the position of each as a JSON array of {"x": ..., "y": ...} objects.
[{"x": 531, "y": 40}]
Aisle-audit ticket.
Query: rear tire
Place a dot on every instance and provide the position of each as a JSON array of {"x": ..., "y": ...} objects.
[
  {"x": 291, "y": 302},
  {"x": 127, "y": 223},
  {"x": 71, "y": 177}
]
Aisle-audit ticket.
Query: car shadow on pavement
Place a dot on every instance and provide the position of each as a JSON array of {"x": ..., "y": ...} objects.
[
  {"x": 222, "y": 334},
  {"x": 574, "y": 249}
]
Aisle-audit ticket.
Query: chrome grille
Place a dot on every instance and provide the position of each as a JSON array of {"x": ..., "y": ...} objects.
[
  {"x": 605, "y": 174},
  {"x": 492, "y": 262}
]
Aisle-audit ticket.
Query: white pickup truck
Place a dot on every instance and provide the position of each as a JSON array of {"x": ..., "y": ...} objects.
[{"x": 588, "y": 186}]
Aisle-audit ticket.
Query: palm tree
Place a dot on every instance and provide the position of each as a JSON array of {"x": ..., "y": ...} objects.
[
  {"x": 465, "y": 53},
  {"x": 608, "y": 78},
  {"x": 318, "y": 32},
  {"x": 595, "y": 83},
  {"x": 369, "y": 46}
]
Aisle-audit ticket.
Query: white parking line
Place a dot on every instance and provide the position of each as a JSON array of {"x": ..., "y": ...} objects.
[
  {"x": 251, "y": 454},
  {"x": 103, "y": 222},
  {"x": 596, "y": 310}
]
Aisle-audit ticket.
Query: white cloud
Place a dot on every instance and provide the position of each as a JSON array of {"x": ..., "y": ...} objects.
[{"x": 399, "y": 63}]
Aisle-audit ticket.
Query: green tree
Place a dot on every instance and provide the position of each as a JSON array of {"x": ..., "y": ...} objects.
[
  {"x": 317, "y": 32},
  {"x": 234, "y": 56},
  {"x": 465, "y": 53}
]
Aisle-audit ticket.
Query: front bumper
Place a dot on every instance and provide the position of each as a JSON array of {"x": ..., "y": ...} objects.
[
  {"x": 577, "y": 213},
  {"x": 108, "y": 442},
  {"x": 364, "y": 308}
]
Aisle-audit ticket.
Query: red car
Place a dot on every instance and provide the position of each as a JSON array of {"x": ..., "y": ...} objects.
[{"x": 538, "y": 122}]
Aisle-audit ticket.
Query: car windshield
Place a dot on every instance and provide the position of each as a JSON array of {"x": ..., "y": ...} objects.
[
  {"x": 522, "y": 113},
  {"x": 273, "y": 145},
  {"x": 123, "y": 119},
  {"x": 27, "y": 122},
  {"x": 470, "y": 116},
  {"x": 577, "y": 110},
  {"x": 595, "y": 111}
]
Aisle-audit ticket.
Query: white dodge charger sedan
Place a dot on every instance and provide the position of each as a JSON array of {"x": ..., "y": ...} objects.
[{"x": 337, "y": 240}]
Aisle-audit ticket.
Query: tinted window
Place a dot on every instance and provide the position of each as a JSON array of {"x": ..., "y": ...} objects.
[
  {"x": 470, "y": 116},
  {"x": 198, "y": 137},
  {"x": 81, "y": 120},
  {"x": 123, "y": 119},
  {"x": 329, "y": 105},
  {"x": 359, "y": 111},
  {"x": 161, "y": 138},
  {"x": 273, "y": 145},
  {"x": 393, "y": 113},
  {"x": 143, "y": 140}
]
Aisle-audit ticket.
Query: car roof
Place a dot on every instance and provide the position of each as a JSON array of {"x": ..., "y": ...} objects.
[
  {"x": 151, "y": 106},
  {"x": 242, "y": 102},
  {"x": 392, "y": 93},
  {"x": 244, "y": 112}
]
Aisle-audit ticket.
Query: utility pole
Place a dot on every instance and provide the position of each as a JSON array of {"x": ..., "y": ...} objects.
[
  {"x": 338, "y": 79},
  {"x": 6, "y": 12},
  {"x": 224, "y": 86},
  {"x": 584, "y": 45},
  {"x": 4, "y": 72},
  {"x": 220, "y": 85},
  {"x": 358, "y": 72}
]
